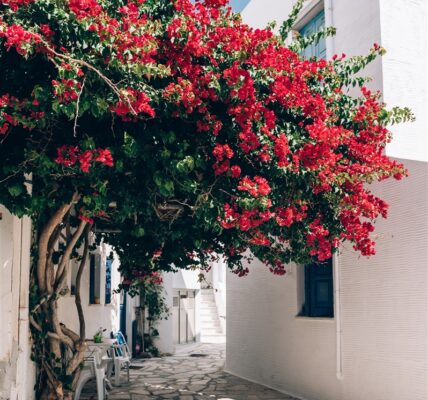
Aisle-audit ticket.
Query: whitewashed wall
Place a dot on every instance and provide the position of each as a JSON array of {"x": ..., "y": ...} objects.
[
  {"x": 383, "y": 307},
  {"x": 218, "y": 277},
  {"x": 404, "y": 25},
  {"x": 378, "y": 350},
  {"x": 16, "y": 369},
  {"x": 96, "y": 315},
  {"x": 185, "y": 280}
]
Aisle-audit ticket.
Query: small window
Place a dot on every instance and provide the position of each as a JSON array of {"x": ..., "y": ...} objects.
[
  {"x": 74, "y": 269},
  {"x": 109, "y": 263},
  {"x": 318, "y": 296},
  {"x": 313, "y": 26},
  {"x": 94, "y": 279}
]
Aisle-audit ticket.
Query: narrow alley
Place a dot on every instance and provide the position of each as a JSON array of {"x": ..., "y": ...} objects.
[{"x": 195, "y": 372}]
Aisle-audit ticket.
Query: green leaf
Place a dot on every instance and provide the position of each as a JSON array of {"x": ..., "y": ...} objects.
[{"x": 15, "y": 190}]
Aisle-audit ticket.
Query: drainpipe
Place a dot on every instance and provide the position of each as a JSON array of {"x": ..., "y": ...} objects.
[
  {"x": 328, "y": 10},
  {"x": 337, "y": 313}
]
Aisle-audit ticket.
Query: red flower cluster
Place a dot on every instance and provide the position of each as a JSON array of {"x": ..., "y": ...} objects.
[
  {"x": 18, "y": 38},
  {"x": 287, "y": 216},
  {"x": 223, "y": 153},
  {"x": 66, "y": 90},
  {"x": 85, "y": 8},
  {"x": 134, "y": 102},
  {"x": 16, "y": 4},
  {"x": 282, "y": 150},
  {"x": 319, "y": 242},
  {"x": 256, "y": 187},
  {"x": 290, "y": 151},
  {"x": 69, "y": 156}
]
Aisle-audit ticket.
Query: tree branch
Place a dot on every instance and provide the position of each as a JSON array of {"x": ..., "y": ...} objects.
[
  {"x": 77, "y": 298},
  {"x": 46, "y": 234},
  {"x": 61, "y": 272}
]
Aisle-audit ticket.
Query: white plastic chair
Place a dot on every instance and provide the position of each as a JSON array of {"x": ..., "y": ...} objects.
[
  {"x": 94, "y": 367},
  {"x": 121, "y": 358}
]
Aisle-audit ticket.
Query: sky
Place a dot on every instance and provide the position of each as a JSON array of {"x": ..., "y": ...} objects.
[{"x": 238, "y": 5}]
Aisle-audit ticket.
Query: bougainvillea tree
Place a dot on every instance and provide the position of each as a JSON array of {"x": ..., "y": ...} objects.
[{"x": 181, "y": 133}]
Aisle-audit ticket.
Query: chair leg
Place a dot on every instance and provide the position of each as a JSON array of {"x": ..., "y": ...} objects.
[
  {"x": 101, "y": 387},
  {"x": 80, "y": 384},
  {"x": 127, "y": 371},
  {"x": 117, "y": 372}
]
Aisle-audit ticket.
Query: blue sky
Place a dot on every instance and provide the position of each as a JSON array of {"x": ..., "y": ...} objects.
[{"x": 238, "y": 5}]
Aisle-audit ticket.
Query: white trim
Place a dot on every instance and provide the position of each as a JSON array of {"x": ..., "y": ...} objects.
[{"x": 314, "y": 319}]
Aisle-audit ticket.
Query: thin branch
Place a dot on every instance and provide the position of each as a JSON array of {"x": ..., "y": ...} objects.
[
  {"x": 77, "y": 108},
  {"x": 90, "y": 67}
]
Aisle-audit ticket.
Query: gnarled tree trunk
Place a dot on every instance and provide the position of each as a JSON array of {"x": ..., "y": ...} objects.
[{"x": 57, "y": 350}]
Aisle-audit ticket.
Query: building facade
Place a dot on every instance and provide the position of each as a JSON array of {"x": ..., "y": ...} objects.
[
  {"x": 101, "y": 305},
  {"x": 374, "y": 343}
]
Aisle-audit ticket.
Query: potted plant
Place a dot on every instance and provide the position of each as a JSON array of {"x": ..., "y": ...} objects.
[{"x": 98, "y": 337}]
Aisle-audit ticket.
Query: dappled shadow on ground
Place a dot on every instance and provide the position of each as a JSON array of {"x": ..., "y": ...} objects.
[{"x": 194, "y": 373}]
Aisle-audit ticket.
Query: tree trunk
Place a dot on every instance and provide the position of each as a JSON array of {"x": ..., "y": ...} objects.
[{"x": 57, "y": 350}]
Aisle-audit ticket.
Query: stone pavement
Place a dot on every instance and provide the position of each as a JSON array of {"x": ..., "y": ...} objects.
[{"x": 195, "y": 372}]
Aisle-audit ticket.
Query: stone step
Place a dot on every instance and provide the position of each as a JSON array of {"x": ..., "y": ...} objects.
[
  {"x": 207, "y": 332},
  {"x": 208, "y": 317},
  {"x": 208, "y": 307},
  {"x": 210, "y": 325},
  {"x": 213, "y": 339}
]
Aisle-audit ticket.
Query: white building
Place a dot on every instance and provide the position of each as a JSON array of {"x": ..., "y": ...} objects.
[
  {"x": 197, "y": 308},
  {"x": 374, "y": 346},
  {"x": 17, "y": 373},
  {"x": 101, "y": 305}
]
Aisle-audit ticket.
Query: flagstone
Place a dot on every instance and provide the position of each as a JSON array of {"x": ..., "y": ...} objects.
[{"x": 182, "y": 377}]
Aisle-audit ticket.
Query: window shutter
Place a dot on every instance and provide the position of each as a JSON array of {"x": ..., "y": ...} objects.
[{"x": 319, "y": 290}]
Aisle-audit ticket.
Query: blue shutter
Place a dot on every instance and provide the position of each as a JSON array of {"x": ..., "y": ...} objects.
[
  {"x": 319, "y": 290},
  {"x": 109, "y": 263},
  {"x": 314, "y": 25}
]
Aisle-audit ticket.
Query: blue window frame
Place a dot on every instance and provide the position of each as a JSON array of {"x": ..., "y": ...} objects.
[
  {"x": 94, "y": 279},
  {"x": 315, "y": 25},
  {"x": 109, "y": 263},
  {"x": 319, "y": 290}
]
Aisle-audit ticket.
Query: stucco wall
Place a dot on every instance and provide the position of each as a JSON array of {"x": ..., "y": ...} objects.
[
  {"x": 96, "y": 315},
  {"x": 379, "y": 349},
  {"x": 16, "y": 369},
  {"x": 404, "y": 26},
  {"x": 383, "y": 306},
  {"x": 185, "y": 280}
]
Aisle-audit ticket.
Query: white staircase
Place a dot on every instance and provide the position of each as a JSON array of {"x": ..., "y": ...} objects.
[{"x": 211, "y": 331}]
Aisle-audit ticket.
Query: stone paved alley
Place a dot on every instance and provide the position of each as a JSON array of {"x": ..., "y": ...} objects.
[{"x": 195, "y": 372}]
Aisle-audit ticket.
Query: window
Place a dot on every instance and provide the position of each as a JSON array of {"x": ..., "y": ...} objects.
[
  {"x": 109, "y": 263},
  {"x": 318, "y": 294},
  {"x": 314, "y": 25},
  {"x": 94, "y": 279},
  {"x": 74, "y": 268}
]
